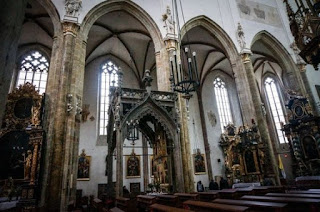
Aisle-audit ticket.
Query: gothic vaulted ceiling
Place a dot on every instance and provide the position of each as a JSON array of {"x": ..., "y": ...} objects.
[
  {"x": 120, "y": 35},
  {"x": 211, "y": 55},
  {"x": 37, "y": 28}
]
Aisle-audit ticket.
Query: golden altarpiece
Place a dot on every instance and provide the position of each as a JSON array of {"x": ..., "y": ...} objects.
[
  {"x": 245, "y": 155},
  {"x": 21, "y": 139}
]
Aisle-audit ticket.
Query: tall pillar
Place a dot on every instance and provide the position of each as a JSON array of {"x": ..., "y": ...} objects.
[
  {"x": 205, "y": 135},
  {"x": 11, "y": 19},
  {"x": 63, "y": 107},
  {"x": 120, "y": 174},
  {"x": 171, "y": 45},
  {"x": 145, "y": 160},
  {"x": 163, "y": 70},
  {"x": 258, "y": 112}
]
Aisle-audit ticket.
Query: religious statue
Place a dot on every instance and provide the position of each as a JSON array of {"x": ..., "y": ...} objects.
[
  {"x": 240, "y": 36},
  {"x": 27, "y": 165},
  {"x": 168, "y": 21},
  {"x": 85, "y": 112},
  {"x": 73, "y": 7}
]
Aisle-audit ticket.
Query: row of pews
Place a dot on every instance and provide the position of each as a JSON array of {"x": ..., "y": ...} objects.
[{"x": 272, "y": 198}]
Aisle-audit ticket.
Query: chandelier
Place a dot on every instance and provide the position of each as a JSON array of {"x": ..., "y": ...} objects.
[
  {"x": 133, "y": 131},
  {"x": 304, "y": 18},
  {"x": 184, "y": 74}
]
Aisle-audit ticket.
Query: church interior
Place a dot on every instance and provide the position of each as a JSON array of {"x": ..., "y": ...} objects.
[{"x": 167, "y": 105}]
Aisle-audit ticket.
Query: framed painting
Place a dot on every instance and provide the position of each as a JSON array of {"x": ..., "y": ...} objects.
[
  {"x": 133, "y": 166},
  {"x": 83, "y": 166},
  {"x": 153, "y": 167},
  {"x": 199, "y": 163}
]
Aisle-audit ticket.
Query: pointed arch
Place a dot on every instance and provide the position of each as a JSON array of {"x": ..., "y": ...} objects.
[
  {"x": 150, "y": 107},
  {"x": 131, "y": 8},
  {"x": 217, "y": 31},
  {"x": 53, "y": 13},
  {"x": 278, "y": 50}
]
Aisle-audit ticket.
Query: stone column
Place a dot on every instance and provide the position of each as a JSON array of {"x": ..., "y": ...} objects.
[
  {"x": 63, "y": 107},
  {"x": 205, "y": 135},
  {"x": 309, "y": 95},
  {"x": 145, "y": 162},
  {"x": 163, "y": 70},
  {"x": 120, "y": 174},
  {"x": 258, "y": 112},
  {"x": 11, "y": 19}
]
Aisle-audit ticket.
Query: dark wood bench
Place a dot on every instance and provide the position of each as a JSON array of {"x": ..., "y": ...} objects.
[
  {"x": 123, "y": 203},
  {"x": 228, "y": 194},
  {"x": 185, "y": 196},
  {"x": 255, "y": 205},
  {"x": 295, "y": 204},
  {"x": 207, "y": 196},
  {"x": 145, "y": 201},
  {"x": 312, "y": 196},
  {"x": 260, "y": 190},
  {"x": 97, "y": 204},
  {"x": 302, "y": 192},
  {"x": 170, "y": 200},
  {"x": 165, "y": 208},
  {"x": 210, "y": 206},
  {"x": 243, "y": 191},
  {"x": 115, "y": 209}
]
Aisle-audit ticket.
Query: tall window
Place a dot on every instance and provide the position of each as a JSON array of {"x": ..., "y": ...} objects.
[
  {"x": 275, "y": 106},
  {"x": 108, "y": 77},
  {"x": 223, "y": 103},
  {"x": 34, "y": 68}
]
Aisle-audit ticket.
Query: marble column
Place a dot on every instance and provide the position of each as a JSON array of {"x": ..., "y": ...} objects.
[
  {"x": 63, "y": 107},
  {"x": 258, "y": 112},
  {"x": 11, "y": 19}
]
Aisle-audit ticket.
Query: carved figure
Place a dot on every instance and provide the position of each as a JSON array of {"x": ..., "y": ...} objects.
[
  {"x": 85, "y": 112},
  {"x": 27, "y": 165},
  {"x": 240, "y": 36},
  {"x": 168, "y": 21},
  {"x": 73, "y": 7}
]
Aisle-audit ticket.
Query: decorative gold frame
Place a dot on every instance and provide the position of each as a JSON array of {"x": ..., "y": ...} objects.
[
  {"x": 86, "y": 178},
  {"x": 151, "y": 167},
  {"x": 205, "y": 164},
  {"x": 127, "y": 158}
]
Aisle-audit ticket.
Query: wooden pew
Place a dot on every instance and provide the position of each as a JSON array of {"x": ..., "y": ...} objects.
[
  {"x": 185, "y": 196},
  {"x": 123, "y": 204},
  {"x": 302, "y": 192},
  {"x": 316, "y": 190},
  {"x": 210, "y": 206},
  {"x": 260, "y": 190},
  {"x": 97, "y": 204},
  {"x": 145, "y": 201},
  {"x": 314, "y": 196},
  {"x": 207, "y": 196},
  {"x": 295, "y": 204},
  {"x": 115, "y": 209},
  {"x": 228, "y": 194},
  {"x": 170, "y": 200},
  {"x": 243, "y": 191},
  {"x": 165, "y": 208},
  {"x": 255, "y": 205}
]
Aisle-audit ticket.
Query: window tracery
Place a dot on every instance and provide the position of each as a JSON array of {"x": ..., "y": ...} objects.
[{"x": 34, "y": 68}]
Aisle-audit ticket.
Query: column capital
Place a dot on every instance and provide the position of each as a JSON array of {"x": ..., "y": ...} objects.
[
  {"x": 245, "y": 55},
  {"x": 70, "y": 28},
  {"x": 171, "y": 44}
]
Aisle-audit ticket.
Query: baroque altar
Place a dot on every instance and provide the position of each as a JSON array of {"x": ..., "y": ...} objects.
[{"x": 245, "y": 154}]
